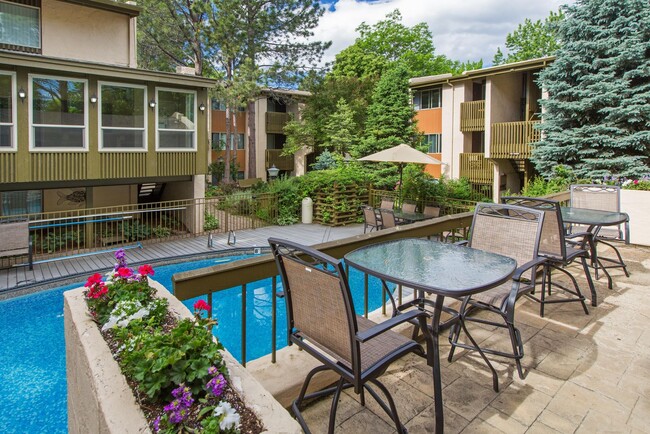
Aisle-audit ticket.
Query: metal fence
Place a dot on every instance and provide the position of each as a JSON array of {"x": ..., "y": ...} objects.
[
  {"x": 447, "y": 205},
  {"x": 65, "y": 233}
]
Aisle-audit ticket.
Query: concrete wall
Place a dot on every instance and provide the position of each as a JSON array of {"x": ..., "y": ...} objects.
[
  {"x": 194, "y": 189},
  {"x": 454, "y": 142},
  {"x": 261, "y": 107},
  {"x": 77, "y": 32},
  {"x": 112, "y": 195},
  {"x": 503, "y": 101},
  {"x": 100, "y": 400}
]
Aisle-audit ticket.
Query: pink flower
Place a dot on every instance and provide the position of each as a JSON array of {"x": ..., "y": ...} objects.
[
  {"x": 124, "y": 272},
  {"x": 636, "y": 182},
  {"x": 98, "y": 290},
  {"x": 201, "y": 305},
  {"x": 146, "y": 270},
  {"x": 93, "y": 280}
]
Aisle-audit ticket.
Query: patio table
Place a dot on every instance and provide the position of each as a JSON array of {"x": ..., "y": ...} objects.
[
  {"x": 443, "y": 270},
  {"x": 410, "y": 217},
  {"x": 594, "y": 219}
]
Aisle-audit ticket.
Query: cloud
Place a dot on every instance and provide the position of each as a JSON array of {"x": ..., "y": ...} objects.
[{"x": 462, "y": 29}]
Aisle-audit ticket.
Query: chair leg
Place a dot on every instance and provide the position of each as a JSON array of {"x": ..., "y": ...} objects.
[
  {"x": 517, "y": 348},
  {"x": 454, "y": 334},
  {"x": 590, "y": 282},
  {"x": 335, "y": 403},
  {"x": 391, "y": 409}
]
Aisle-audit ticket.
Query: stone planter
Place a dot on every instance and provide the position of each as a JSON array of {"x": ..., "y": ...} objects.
[
  {"x": 100, "y": 400},
  {"x": 636, "y": 203}
]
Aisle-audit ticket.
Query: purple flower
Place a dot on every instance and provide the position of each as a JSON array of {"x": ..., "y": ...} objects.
[
  {"x": 179, "y": 406},
  {"x": 119, "y": 254},
  {"x": 212, "y": 370},
  {"x": 156, "y": 424},
  {"x": 216, "y": 385}
]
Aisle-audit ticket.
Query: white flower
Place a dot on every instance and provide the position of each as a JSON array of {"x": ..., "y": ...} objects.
[
  {"x": 230, "y": 417},
  {"x": 627, "y": 182},
  {"x": 125, "y": 312}
]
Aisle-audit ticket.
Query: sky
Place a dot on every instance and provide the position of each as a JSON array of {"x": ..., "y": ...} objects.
[{"x": 462, "y": 29}]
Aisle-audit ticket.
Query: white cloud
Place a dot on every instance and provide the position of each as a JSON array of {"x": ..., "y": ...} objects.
[{"x": 462, "y": 29}]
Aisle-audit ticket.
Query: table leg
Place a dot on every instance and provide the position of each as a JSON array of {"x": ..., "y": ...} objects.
[{"x": 437, "y": 383}]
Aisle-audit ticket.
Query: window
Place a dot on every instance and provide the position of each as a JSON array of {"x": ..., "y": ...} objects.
[
  {"x": 275, "y": 141},
  {"x": 20, "y": 27},
  {"x": 176, "y": 114},
  {"x": 122, "y": 110},
  {"x": 22, "y": 202},
  {"x": 434, "y": 143},
  {"x": 219, "y": 142},
  {"x": 7, "y": 112},
  {"x": 221, "y": 105},
  {"x": 58, "y": 113},
  {"x": 426, "y": 99}
]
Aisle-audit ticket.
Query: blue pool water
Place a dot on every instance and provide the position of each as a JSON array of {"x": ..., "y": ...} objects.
[{"x": 33, "y": 393}]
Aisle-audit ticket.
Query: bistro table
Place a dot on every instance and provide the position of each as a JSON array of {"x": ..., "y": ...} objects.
[
  {"x": 439, "y": 269},
  {"x": 595, "y": 219},
  {"x": 410, "y": 217}
]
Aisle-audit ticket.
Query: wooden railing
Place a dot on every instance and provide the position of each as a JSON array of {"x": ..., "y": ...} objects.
[
  {"x": 512, "y": 139},
  {"x": 282, "y": 162},
  {"x": 275, "y": 122},
  {"x": 476, "y": 168},
  {"x": 472, "y": 116}
]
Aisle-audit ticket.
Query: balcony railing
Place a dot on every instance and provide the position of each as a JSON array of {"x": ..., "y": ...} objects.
[
  {"x": 275, "y": 122},
  {"x": 472, "y": 116},
  {"x": 512, "y": 139},
  {"x": 476, "y": 168},
  {"x": 282, "y": 162}
]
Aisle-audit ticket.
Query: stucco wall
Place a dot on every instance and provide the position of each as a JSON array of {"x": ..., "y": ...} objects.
[{"x": 77, "y": 32}]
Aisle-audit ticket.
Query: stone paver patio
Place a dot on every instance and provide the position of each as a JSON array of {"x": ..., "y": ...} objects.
[{"x": 585, "y": 373}]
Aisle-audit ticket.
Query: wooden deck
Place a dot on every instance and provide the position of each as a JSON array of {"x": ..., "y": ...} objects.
[{"x": 16, "y": 278}]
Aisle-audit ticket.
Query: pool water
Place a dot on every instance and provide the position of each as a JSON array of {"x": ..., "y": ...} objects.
[{"x": 32, "y": 347}]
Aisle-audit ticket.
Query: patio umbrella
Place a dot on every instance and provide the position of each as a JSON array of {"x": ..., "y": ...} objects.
[{"x": 401, "y": 155}]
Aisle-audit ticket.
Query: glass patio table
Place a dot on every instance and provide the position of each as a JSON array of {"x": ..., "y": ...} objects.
[
  {"x": 594, "y": 219},
  {"x": 443, "y": 270},
  {"x": 410, "y": 217}
]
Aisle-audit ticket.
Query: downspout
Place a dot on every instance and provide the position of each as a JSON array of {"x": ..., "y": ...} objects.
[{"x": 453, "y": 111}]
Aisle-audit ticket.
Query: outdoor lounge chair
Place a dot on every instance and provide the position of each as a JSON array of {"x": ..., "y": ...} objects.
[
  {"x": 560, "y": 254},
  {"x": 370, "y": 219},
  {"x": 512, "y": 231},
  {"x": 322, "y": 321},
  {"x": 605, "y": 198}
]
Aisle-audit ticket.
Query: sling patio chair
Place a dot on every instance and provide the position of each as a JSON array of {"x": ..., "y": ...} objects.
[
  {"x": 387, "y": 203},
  {"x": 388, "y": 219},
  {"x": 409, "y": 207},
  {"x": 370, "y": 219},
  {"x": 560, "y": 253},
  {"x": 604, "y": 198},
  {"x": 512, "y": 231},
  {"x": 431, "y": 211},
  {"x": 322, "y": 321}
]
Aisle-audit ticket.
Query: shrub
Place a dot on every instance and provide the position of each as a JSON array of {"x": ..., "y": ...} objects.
[{"x": 210, "y": 223}]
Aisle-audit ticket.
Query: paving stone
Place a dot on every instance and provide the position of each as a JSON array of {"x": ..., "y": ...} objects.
[
  {"x": 467, "y": 398},
  {"x": 424, "y": 423},
  {"x": 521, "y": 402},
  {"x": 502, "y": 421},
  {"x": 557, "y": 423}
]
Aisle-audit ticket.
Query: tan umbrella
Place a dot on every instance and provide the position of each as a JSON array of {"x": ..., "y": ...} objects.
[{"x": 401, "y": 155}]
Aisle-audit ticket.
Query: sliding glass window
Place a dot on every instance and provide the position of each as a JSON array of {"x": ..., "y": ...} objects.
[
  {"x": 123, "y": 117},
  {"x": 58, "y": 113},
  {"x": 176, "y": 115},
  {"x": 20, "y": 27},
  {"x": 7, "y": 111}
]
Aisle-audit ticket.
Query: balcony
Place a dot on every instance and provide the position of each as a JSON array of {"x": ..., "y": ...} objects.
[
  {"x": 512, "y": 140},
  {"x": 275, "y": 122},
  {"x": 282, "y": 162},
  {"x": 472, "y": 116},
  {"x": 476, "y": 168}
]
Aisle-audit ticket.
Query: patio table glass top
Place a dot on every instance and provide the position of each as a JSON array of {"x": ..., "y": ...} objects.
[
  {"x": 432, "y": 266},
  {"x": 592, "y": 217},
  {"x": 410, "y": 216}
]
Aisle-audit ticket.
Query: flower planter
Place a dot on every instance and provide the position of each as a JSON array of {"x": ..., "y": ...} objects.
[
  {"x": 636, "y": 203},
  {"x": 101, "y": 401}
]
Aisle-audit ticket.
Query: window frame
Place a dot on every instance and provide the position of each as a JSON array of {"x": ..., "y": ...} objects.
[
  {"x": 30, "y": 108},
  {"x": 100, "y": 128},
  {"x": 439, "y": 144},
  {"x": 418, "y": 95},
  {"x": 196, "y": 121},
  {"x": 25, "y": 48},
  {"x": 14, "y": 115},
  {"x": 236, "y": 146}
]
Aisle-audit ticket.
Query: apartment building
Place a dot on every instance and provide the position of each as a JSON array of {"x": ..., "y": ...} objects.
[
  {"x": 80, "y": 125},
  {"x": 480, "y": 123},
  {"x": 273, "y": 109}
]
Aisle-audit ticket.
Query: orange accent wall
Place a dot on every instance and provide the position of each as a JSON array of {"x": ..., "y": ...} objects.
[
  {"x": 429, "y": 121},
  {"x": 241, "y": 157},
  {"x": 434, "y": 170},
  {"x": 219, "y": 121}
]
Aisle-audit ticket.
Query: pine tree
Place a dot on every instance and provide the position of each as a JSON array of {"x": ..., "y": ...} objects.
[
  {"x": 390, "y": 114},
  {"x": 597, "y": 117},
  {"x": 340, "y": 129}
]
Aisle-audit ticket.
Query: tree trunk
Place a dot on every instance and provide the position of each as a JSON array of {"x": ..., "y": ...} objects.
[
  {"x": 250, "y": 126},
  {"x": 226, "y": 170}
]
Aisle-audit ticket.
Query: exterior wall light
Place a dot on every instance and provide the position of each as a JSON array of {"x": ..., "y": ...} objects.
[
  {"x": 152, "y": 104},
  {"x": 22, "y": 94},
  {"x": 273, "y": 172},
  {"x": 202, "y": 107},
  {"x": 93, "y": 99}
]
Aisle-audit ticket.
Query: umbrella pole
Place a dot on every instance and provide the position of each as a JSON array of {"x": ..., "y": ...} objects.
[{"x": 399, "y": 194}]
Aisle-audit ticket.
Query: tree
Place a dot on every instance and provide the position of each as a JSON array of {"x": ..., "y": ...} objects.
[
  {"x": 597, "y": 117},
  {"x": 531, "y": 40},
  {"x": 390, "y": 115},
  {"x": 341, "y": 130}
]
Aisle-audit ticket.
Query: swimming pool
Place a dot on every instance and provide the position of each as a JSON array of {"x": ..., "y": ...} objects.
[{"x": 32, "y": 346}]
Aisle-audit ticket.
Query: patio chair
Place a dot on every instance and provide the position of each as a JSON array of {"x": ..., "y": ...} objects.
[
  {"x": 431, "y": 211},
  {"x": 512, "y": 231},
  {"x": 409, "y": 207},
  {"x": 322, "y": 321},
  {"x": 387, "y": 203},
  {"x": 605, "y": 198},
  {"x": 388, "y": 219},
  {"x": 560, "y": 254},
  {"x": 370, "y": 219}
]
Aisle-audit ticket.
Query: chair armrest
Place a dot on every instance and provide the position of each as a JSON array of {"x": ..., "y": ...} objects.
[
  {"x": 527, "y": 266},
  {"x": 461, "y": 243},
  {"x": 380, "y": 328}
]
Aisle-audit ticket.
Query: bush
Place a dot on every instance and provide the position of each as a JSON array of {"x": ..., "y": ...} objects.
[
  {"x": 161, "y": 231},
  {"x": 211, "y": 222}
]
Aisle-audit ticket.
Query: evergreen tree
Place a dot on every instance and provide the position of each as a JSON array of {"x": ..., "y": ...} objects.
[
  {"x": 390, "y": 114},
  {"x": 341, "y": 130},
  {"x": 597, "y": 117}
]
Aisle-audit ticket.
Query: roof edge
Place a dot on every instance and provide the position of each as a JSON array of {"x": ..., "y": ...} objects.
[{"x": 127, "y": 8}]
